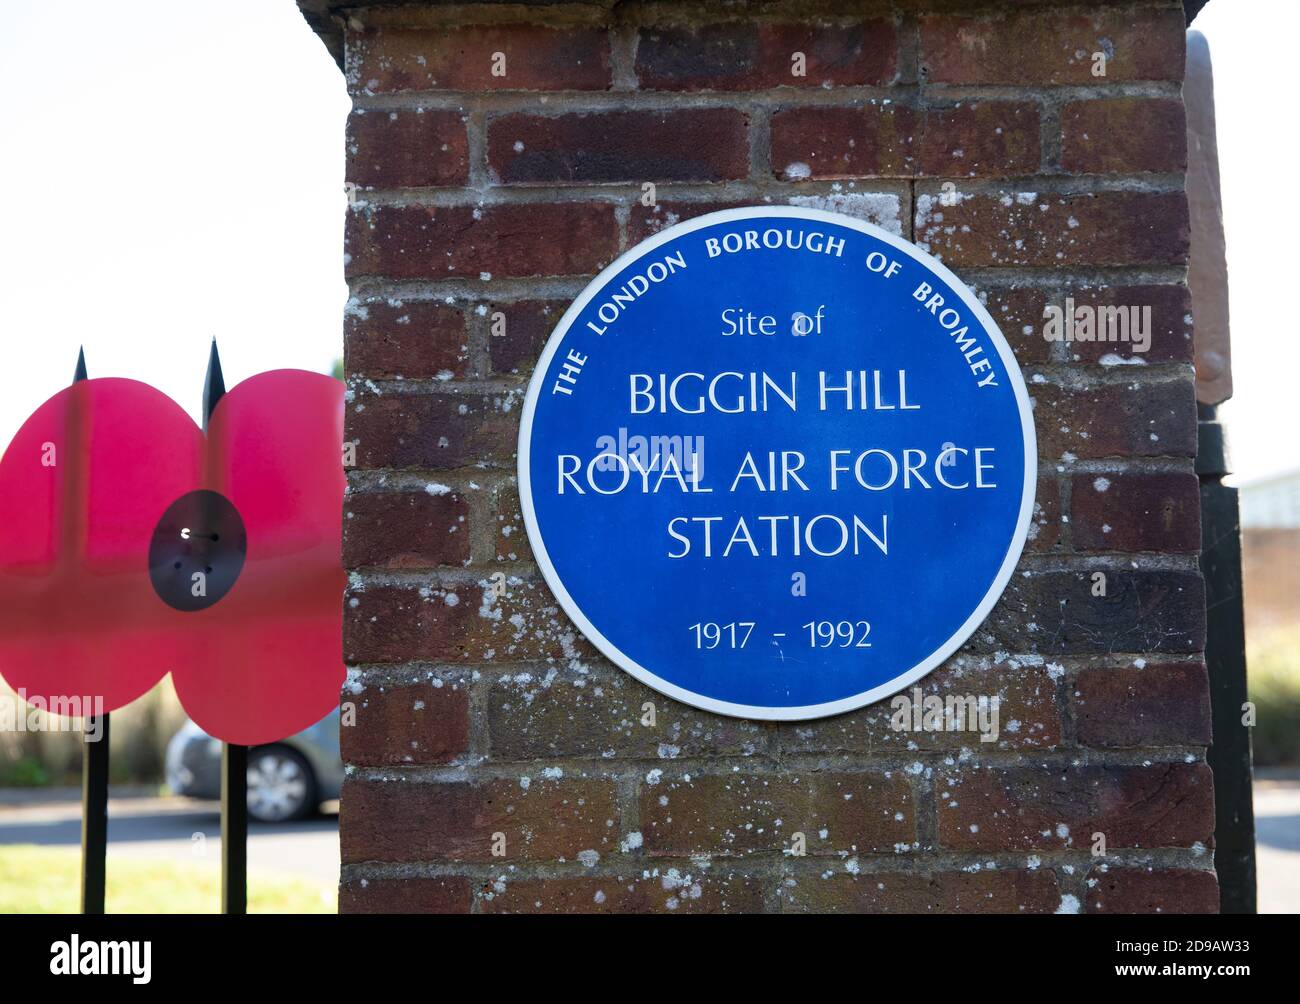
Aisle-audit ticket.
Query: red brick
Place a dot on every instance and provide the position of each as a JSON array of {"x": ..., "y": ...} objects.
[
  {"x": 874, "y": 140},
  {"x": 407, "y": 338},
  {"x": 433, "y": 431},
  {"x": 1026, "y": 697},
  {"x": 1136, "y": 512},
  {"x": 450, "y": 894},
  {"x": 1169, "y": 324},
  {"x": 1115, "y": 420},
  {"x": 736, "y": 814},
  {"x": 426, "y": 242},
  {"x": 1047, "y": 47},
  {"x": 881, "y": 208},
  {"x": 1124, "y": 136},
  {"x": 979, "y": 138},
  {"x": 1044, "y": 808},
  {"x": 646, "y": 221},
  {"x": 415, "y": 820},
  {"x": 584, "y": 712},
  {"x": 1018, "y": 313},
  {"x": 407, "y": 148},
  {"x": 544, "y": 698},
  {"x": 460, "y": 624},
  {"x": 673, "y": 891},
  {"x": 1045, "y": 524},
  {"x": 1148, "y": 890},
  {"x": 508, "y": 527},
  {"x": 694, "y": 144},
  {"x": 1046, "y": 230},
  {"x": 404, "y": 724},
  {"x": 887, "y": 139},
  {"x": 1157, "y": 705},
  {"x": 461, "y": 58},
  {"x": 1057, "y": 613},
  {"x": 527, "y": 325},
  {"x": 405, "y": 530},
  {"x": 985, "y": 891},
  {"x": 742, "y": 55}
]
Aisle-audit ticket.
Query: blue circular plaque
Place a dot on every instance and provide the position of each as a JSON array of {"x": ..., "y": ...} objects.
[{"x": 777, "y": 463}]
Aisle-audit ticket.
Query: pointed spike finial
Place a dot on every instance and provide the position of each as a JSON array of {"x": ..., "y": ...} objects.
[
  {"x": 80, "y": 373},
  {"x": 214, "y": 384}
]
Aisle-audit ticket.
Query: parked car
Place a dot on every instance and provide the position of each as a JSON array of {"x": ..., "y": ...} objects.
[{"x": 286, "y": 780}]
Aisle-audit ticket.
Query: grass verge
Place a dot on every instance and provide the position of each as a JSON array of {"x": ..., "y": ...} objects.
[{"x": 47, "y": 880}]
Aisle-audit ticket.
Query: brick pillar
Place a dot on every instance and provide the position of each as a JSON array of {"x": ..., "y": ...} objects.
[{"x": 499, "y": 155}]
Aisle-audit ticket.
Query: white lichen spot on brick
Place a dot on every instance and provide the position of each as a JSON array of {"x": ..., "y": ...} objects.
[
  {"x": 1111, "y": 359},
  {"x": 880, "y": 208}
]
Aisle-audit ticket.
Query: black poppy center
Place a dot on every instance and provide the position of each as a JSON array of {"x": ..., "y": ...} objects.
[{"x": 197, "y": 551}]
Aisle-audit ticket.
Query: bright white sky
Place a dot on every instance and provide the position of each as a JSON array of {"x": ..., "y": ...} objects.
[{"x": 173, "y": 170}]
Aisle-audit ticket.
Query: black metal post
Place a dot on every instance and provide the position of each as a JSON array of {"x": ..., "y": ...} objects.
[
  {"x": 234, "y": 828},
  {"x": 94, "y": 815},
  {"x": 1225, "y": 655},
  {"x": 234, "y": 758},
  {"x": 94, "y": 785}
]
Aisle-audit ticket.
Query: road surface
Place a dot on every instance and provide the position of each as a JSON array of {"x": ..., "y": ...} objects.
[
  {"x": 1277, "y": 845},
  {"x": 181, "y": 830}
]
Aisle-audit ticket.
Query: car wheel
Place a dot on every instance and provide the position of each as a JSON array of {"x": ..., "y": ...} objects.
[{"x": 281, "y": 786}]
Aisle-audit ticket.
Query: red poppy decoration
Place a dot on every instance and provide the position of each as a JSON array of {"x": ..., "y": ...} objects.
[{"x": 133, "y": 545}]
